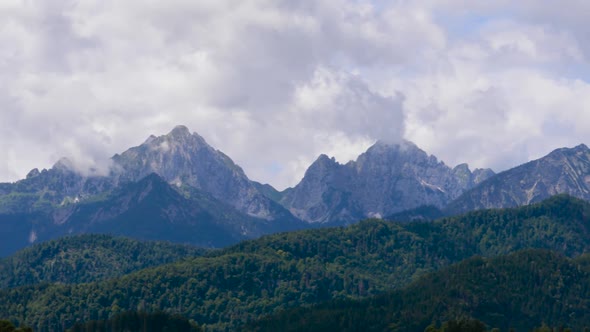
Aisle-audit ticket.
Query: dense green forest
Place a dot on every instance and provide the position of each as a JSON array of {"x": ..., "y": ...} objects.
[
  {"x": 86, "y": 258},
  {"x": 8, "y": 326},
  {"x": 518, "y": 291},
  {"x": 229, "y": 287},
  {"x": 421, "y": 213},
  {"x": 133, "y": 321}
]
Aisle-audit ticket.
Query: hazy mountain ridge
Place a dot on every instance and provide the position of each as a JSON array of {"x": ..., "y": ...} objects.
[
  {"x": 47, "y": 189},
  {"x": 565, "y": 170},
  {"x": 180, "y": 157},
  {"x": 401, "y": 180},
  {"x": 150, "y": 209},
  {"x": 207, "y": 200},
  {"x": 386, "y": 179}
]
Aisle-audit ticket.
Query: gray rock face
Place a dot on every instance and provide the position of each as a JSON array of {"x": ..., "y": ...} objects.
[
  {"x": 152, "y": 209},
  {"x": 467, "y": 179},
  {"x": 384, "y": 180},
  {"x": 45, "y": 189},
  {"x": 173, "y": 187},
  {"x": 182, "y": 158},
  {"x": 562, "y": 171},
  {"x": 185, "y": 159}
]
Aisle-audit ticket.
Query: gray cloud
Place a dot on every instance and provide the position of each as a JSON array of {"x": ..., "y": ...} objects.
[
  {"x": 508, "y": 87},
  {"x": 294, "y": 79},
  {"x": 89, "y": 79}
]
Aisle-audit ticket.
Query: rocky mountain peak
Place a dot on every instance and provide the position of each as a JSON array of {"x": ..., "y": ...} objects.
[
  {"x": 463, "y": 175},
  {"x": 580, "y": 151},
  {"x": 385, "y": 179},
  {"x": 184, "y": 159},
  {"x": 325, "y": 159},
  {"x": 560, "y": 153},
  {"x": 181, "y": 135},
  {"x": 33, "y": 173},
  {"x": 149, "y": 139},
  {"x": 322, "y": 164},
  {"x": 64, "y": 164},
  {"x": 178, "y": 139},
  {"x": 174, "y": 155},
  {"x": 180, "y": 131},
  {"x": 468, "y": 179},
  {"x": 402, "y": 147},
  {"x": 482, "y": 174},
  {"x": 404, "y": 151},
  {"x": 564, "y": 170},
  {"x": 462, "y": 168}
]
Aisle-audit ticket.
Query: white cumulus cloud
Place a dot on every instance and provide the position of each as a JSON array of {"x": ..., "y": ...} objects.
[{"x": 275, "y": 83}]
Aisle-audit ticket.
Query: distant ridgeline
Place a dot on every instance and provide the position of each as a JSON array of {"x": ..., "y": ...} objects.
[
  {"x": 178, "y": 188},
  {"x": 375, "y": 274}
]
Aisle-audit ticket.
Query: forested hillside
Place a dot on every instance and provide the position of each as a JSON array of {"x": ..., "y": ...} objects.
[
  {"x": 242, "y": 283},
  {"x": 86, "y": 258},
  {"x": 133, "y": 321},
  {"x": 519, "y": 291}
]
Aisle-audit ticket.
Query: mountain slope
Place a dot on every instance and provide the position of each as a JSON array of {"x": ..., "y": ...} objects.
[
  {"x": 86, "y": 258},
  {"x": 564, "y": 170},
  {"x": 521, "y": 291},
  {"x": 384, "y": 180},
  {"x": 185, "y": 159},
  {"x": 149, "y": 209},
  {"x": 238, "y": 284},
  {"x": 47, "y": 189},
  {"x": 213, "y": 203}
]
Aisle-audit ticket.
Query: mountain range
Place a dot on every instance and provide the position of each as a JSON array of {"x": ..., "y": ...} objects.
[
  {"x": 384, "y": 180},
  {"x": 176, "y": 187},
  {"x": 564, "y": 170}
]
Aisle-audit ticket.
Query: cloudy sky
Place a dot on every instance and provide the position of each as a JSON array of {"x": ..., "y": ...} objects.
[{"x": 274, "y": 83}]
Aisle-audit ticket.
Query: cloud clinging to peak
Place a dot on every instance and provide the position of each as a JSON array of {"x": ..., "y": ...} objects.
[{"x": 492, "y": 84}]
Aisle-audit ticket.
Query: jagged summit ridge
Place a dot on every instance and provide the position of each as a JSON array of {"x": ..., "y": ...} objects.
[
  {"x": 185, "y": 159},
  {"x": 563, "y": 171},
  {"x": 180, "y": 130},
  {"x": 388, "y": 178},
  {"x": 385, "y": 179}
]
